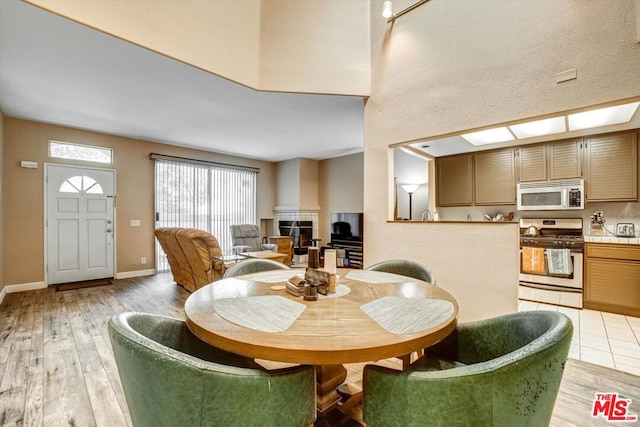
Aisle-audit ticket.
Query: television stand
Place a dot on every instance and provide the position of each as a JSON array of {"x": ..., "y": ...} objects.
[{"x": 350, "y": 250}]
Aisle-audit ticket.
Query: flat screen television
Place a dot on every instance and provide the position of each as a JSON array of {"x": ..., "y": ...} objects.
[{"x": 346, "y": 226}]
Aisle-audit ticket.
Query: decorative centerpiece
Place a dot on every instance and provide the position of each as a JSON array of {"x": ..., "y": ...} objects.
[{"x": 324, "y": 281}]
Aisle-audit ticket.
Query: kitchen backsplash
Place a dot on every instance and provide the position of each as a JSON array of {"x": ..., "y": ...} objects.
[{"x": 612, "y": 212}]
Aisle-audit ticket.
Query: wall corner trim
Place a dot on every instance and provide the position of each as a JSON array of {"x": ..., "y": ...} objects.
[
  {"x": 3, "y": 293},
  {"x": 638, "y": 21}
]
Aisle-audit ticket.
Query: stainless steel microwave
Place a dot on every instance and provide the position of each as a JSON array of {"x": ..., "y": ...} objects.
[{"x": 556, "y": 195}]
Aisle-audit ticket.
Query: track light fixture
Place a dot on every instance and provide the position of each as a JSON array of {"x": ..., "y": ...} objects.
[{"x": 387, "y": 10}]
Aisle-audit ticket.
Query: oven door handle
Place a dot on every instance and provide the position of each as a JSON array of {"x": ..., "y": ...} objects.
[{"x": 555, "y": 288}]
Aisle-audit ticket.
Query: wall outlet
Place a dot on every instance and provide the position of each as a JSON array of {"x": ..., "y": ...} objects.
[
  {"x": 135, "y": 223},
  {"x": 143, "y": 260}
]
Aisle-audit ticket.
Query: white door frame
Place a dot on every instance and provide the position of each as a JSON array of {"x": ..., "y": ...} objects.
[{"x": 46, "y": 213}]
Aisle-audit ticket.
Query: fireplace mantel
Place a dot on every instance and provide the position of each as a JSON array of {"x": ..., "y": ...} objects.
[{"x": 296, "y": 208}]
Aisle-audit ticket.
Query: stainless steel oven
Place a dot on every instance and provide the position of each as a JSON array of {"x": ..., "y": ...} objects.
[{"x": 545, "y": 243}]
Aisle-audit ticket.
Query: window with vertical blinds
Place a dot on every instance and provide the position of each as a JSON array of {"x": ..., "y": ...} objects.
[{"x": 204, "y": 196}]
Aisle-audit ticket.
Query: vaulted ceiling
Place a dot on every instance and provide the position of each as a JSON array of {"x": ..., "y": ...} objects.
[{"x": 57, "y": 71}]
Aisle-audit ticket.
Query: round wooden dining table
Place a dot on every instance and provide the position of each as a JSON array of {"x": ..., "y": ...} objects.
[{"x": 371, "y": 316}]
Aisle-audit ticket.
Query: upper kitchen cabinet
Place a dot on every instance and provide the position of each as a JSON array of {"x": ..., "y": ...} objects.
[
  {"x": 611, "y": 167},
  {"x": 532, "y": 162},
  {"x": 455, "y": 180},
  {"x": 495, "y": 177},
  {"x": 552, "y": 160},
  {"x": 565, "y": 159}
]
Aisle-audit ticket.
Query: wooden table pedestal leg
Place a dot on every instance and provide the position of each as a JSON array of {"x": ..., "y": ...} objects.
[{"x": 328, "y": 378}]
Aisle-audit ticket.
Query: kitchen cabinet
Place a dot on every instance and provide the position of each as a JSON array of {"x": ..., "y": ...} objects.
[
  {"x": 612, "y": 278},
  {"x": 532, "y": 162},
  {"x": 611, "y": 167},
  {"x": 565, "y": 159},
  {"x": 494, "y": 177},
  {"x": 455, "y": 180},
  {"x": 552, "y": 160},
  {"x": 608, "y": 163}
]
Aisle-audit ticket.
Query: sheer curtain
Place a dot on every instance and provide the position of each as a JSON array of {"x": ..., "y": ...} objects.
[{"x": 209, "y": 197}]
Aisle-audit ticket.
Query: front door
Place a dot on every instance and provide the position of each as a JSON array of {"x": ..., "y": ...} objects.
[{"x": 79, "y": 223}]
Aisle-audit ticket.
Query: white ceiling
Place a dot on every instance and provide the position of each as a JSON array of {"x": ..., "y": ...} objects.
[{"x": 57, "y": 71}]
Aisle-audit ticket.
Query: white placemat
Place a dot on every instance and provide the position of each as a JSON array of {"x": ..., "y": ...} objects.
[
  {"x": 376, "y": 277},
  {"x": 268, "y": 313},
  {"x": 399, "y": 315}
]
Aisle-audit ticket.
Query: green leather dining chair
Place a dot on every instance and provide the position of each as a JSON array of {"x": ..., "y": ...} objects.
[
  {"x": 253, "y": 265},
  {"x": 504, "y": 371},
  {"x": 172, "y": 378},
  {"x": 405, "y": 267}
]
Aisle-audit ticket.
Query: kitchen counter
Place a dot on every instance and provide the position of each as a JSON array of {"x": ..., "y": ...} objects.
[
  {"x": 612, "y": 239},
  {"x": 417, "y": 221}
]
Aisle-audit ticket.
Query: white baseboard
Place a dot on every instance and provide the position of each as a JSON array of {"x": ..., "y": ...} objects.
[
  {"x": 137, "y": 273},
  {"x": 23, "y": 287}
]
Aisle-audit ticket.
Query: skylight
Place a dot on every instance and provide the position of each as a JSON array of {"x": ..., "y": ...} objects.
[
  {"x": 489, "y": 136},
  {"x": 538, "y": 128},
  {"x": 584, "y": 120},
  {"x": 603, "y": 116}
]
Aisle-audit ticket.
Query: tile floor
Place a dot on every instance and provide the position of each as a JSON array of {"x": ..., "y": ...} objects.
[{"x": 601, "y": 338}]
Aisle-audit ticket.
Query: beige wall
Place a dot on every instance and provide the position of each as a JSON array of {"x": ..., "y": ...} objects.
[
  {"x": 450, "y": 66},
  {"x": 24, "y": 198},
  {"x": 308, "y": 184},
  {"x": 2, "y": 244},
  {"x": 297, "y": 184},
  {"x": 315, "y": 46},
  {"x": 276, "y": 45},
  {"x": 340, "y": 189},
  {"x": 288, "y": 181}
]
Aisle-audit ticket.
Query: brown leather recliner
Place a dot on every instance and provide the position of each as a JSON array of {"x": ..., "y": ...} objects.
[
  {"x": 200, "y": 248},
  {"x": 178, "y": 262},
  {"x": 191, "y": 253}
]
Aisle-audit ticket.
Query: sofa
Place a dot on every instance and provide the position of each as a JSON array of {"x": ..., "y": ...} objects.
[{"x": 192, "y": 255}]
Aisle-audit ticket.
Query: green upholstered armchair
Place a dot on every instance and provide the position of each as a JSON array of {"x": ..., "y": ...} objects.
[
  {"x": 504, "y": 371},
  {"x": 171, "y": 378},
  {"x": 253, "y": 265},
  {"x": 405, "y": 267}
]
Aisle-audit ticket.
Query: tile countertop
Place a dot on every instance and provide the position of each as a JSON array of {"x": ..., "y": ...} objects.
[{"x": 612, "y": 239}]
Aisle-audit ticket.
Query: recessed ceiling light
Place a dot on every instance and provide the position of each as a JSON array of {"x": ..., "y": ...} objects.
[
  {"x": 603, "y": 116},
  {"x": 489, "y": 136},
  {"x": 539, "y": 127}
]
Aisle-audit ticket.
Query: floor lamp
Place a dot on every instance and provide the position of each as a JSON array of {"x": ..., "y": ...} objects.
[{"x": 410, "y": 189}]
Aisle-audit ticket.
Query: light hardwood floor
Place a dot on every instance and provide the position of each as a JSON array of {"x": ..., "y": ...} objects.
[{"x": 57, "y": 369}]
